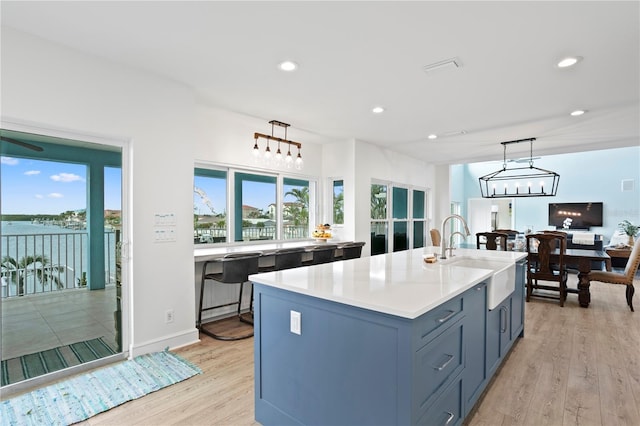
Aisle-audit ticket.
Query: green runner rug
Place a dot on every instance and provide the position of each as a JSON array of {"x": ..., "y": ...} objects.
[
  {"x": 86, "y": 395},
  {"x": 33, "y": 365}
]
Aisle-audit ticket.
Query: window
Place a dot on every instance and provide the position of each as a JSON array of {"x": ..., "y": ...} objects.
[
  {"x": 255, "y": 208},
  {"x": 419, "y": 229},
  {"x": 209, "y": 206},
  {"x": 400, "y": 200},
  {"x": 379, "y": 220},
  {"x": 338, "y": 202},
  {"x": 232, "y": 205},
  {"x": 407, "y": 218},
  {"x": 295, "y": 209}
]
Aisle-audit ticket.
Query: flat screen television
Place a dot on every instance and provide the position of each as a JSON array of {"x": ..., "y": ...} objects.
[{"x": 576, "y": 215}]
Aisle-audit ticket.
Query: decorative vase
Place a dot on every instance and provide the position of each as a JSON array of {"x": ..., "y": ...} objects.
[{"x": 631, "y": 241}]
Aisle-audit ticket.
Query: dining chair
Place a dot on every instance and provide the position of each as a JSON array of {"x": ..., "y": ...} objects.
[
  {"x": 490, "y": 240},
  {"x": 541, "y": 267},
  {"x": 435, "y": 237},
  {"x": 322, "y": 253},
  {"x": 509, "y": 232},
  {"x": 236, "y": 268},
  {"x": 624, "y": 278}
]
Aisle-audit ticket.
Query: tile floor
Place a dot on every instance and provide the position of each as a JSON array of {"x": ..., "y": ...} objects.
[{"x": 39, "y": 322}]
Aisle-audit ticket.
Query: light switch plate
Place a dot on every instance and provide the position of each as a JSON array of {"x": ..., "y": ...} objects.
[{"x": 295, "y": 322}]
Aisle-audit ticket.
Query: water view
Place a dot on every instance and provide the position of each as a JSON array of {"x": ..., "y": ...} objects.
[{"x": 39, "y": 257}]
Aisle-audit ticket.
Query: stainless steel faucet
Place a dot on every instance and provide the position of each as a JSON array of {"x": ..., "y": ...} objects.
[
  {"x": 443, "y": 242},
  {"x": 451, "y": 248}
]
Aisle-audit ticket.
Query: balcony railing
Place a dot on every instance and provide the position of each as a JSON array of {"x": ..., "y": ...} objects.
[
  {"x": 42, "y": 263},
  {"x": 250, "y": 233}
]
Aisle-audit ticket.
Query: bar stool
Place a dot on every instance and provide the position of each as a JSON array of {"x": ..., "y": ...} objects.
[
  {"x": 236, "y": 268},
  {"x": 351, "y": 250},
  {"x": 322, "y": 253},
  {"x": 285, "y": 258}
]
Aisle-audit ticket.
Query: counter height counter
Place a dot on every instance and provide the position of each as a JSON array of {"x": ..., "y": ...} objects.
[
  {"x": 399, "y": 284},
  {"x": 203, "y": 254}
]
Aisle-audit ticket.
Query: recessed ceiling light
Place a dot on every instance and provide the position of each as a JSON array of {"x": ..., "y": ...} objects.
[
  {"x": 288, "y": 66},
  {"x": 432, "y": 136},
  {"x": 569, "y": 61},
  {"x": 377, "y": 110},
  {"x": 578, "y": 112}
]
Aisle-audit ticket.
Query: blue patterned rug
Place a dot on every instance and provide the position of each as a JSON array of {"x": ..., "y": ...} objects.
[{"x": 84, "y": 396}]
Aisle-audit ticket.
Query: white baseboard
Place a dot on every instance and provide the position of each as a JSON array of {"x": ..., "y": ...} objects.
[{"x": 173, "y": 341}]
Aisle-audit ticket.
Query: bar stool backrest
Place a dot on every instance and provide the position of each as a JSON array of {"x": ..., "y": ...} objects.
[
  {"x": 323, "y": 253},
  {"x": 236, "y": 267},
  {"x": 288, "y": 258},
  {"x": 352, "y": 250}
]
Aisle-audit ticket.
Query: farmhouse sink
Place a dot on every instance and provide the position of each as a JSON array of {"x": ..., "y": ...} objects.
[{"x": 501, "y": 284}]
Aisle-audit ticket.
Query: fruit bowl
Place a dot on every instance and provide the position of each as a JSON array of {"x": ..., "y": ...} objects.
[{"x": 322, "y": 232}]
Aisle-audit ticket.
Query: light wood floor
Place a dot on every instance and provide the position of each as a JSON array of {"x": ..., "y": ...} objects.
[{"x": 574, "y": 366}]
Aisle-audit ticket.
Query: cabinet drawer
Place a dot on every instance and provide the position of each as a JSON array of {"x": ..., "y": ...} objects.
[
  {"x": 447, "y": 410},
  {"x": 436, "y": 363},
  {"x": 433, "y": 322}
]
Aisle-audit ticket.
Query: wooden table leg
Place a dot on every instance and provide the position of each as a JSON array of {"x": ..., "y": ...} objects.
[{"x": 584, "y": 295}]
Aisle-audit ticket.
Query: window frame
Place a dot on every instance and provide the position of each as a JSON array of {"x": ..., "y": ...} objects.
[
  {"x": 231, "y": 204},
  {"x": 410, "y": 220}
]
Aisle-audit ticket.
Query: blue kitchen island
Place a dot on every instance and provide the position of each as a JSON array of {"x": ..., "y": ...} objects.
[{"x": 384, "y": 340}]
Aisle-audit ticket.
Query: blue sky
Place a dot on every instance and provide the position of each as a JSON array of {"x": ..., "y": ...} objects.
[
  {"x": 46, "y": 187},
  {"x": 255, "y": 194}
]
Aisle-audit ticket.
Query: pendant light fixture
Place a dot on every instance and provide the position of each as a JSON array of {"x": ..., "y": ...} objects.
[
  {"x": 519, "y": 181},
  {"x": 289, "y": 161}
]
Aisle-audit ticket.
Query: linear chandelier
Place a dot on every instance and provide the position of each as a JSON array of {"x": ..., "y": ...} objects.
[
  {"x": 519, "y": 181},
  {"x": 278, "y": 159}
]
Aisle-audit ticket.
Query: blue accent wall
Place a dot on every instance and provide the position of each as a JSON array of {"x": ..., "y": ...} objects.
[{"x": 594, "y": 176}]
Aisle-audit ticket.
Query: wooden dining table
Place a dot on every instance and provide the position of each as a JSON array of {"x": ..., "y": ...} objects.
[{"x": 581, "y": 259}]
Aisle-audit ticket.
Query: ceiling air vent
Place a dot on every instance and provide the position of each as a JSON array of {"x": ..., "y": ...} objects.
[{"x": 447, "y": 63}]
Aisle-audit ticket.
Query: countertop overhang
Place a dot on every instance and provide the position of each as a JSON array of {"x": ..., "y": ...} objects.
[{"x": 399, "y": 284}]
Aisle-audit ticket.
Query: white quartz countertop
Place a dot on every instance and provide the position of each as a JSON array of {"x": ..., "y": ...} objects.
[{"x": 399, "y": 284}]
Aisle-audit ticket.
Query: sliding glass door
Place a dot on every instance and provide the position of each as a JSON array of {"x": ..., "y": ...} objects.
[{"x": 61, "y": 230}]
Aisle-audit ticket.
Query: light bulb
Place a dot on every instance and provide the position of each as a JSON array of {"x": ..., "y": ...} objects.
[
  {"x": 256, "y": 150},
  {"x": 288, "y": 161},
  {"x": 267, "y": 153},
  {"x": 299, "y": 162}
]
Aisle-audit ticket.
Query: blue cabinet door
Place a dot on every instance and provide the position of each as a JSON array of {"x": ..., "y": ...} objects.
[
  {"x": 475, "y": 307},
  {"x": 493, "y": 339},
  {"x": 498, "y": 335}
]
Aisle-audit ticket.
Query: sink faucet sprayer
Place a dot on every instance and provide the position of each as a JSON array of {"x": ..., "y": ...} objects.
[{"x": 443, "y": 242}]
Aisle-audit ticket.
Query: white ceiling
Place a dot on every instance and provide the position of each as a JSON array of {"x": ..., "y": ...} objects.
[{"x": 353, "y": 56}]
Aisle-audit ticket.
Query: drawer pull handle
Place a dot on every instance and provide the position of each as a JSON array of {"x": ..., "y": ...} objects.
[
  {"x": 443, "y": 366},
  {"x": 445, "y": 318},
  {"x": 451, "y": 417}
]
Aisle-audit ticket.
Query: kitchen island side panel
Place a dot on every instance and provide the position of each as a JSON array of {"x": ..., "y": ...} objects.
[{"x": 347, "y": 366}]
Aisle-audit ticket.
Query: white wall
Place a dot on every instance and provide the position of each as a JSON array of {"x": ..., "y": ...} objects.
[
  {"x": 226, "y": 137},
  {"x": 56, "y": 87},
  {"x": 338, "y": 161}
]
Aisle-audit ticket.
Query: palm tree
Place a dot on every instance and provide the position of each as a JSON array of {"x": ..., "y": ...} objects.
[
  {"x": 378, "y": 201},
  {"x": 18, "y": 271},
  {"x": 338, "y": 208},
  {"x": 299, "y": 212}
]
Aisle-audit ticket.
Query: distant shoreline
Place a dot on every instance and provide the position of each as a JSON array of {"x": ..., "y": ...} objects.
[{"x": 28, "y": 217}]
